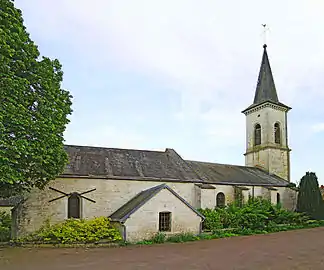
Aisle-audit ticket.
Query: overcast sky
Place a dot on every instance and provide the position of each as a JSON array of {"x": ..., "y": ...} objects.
[{"x": 153, "y": 74}]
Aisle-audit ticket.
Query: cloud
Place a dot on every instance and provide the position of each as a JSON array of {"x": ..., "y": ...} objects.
[
  {"x": 99, "y": 137},
  {"x": 319, "y": 127},
  {"x": 208, "y": 53}
]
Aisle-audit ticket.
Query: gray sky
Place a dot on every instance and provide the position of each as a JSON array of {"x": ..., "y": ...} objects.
[{"x": 151, "y": 74}]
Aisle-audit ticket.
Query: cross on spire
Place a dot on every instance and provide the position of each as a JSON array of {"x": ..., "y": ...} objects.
[{"x": 264, "y": 33}]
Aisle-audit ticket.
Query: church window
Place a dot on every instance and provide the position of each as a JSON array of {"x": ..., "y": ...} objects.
[
  {"x": 257, "y": 134},
  {"x": 220, "y": 199},
  {"x": 164, "y": 221},
  {"x": 74, "y": 206},
  {"x": 278, "y": 198},
  {"x": 277, "y": 133}
]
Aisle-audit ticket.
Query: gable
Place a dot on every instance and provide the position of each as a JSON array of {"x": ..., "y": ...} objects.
[{"x": 143, "y": 197}]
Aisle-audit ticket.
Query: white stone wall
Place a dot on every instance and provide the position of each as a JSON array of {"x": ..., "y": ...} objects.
[
  {"x": 276, "y": 158},
  {"x": 227, "y": 190},
  {"x": 208, "y": 198},
  {"x": 144, "y": 223},
  {"x": 266, "y": 117},
  {"x": 109, "y": 196}
]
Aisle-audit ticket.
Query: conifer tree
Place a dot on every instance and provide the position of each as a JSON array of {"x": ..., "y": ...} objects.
[{"x": 309, "y": 199}]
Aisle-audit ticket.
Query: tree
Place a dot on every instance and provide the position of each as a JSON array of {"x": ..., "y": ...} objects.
[
  {"x": 309, "y": 199},
  {"x": 33, "y": 109}
]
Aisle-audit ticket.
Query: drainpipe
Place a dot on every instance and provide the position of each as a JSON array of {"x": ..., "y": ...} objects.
[{"x": 124, "y": 231}]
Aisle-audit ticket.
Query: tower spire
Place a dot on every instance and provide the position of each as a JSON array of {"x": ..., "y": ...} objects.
[{"x": 266, "y": 89}]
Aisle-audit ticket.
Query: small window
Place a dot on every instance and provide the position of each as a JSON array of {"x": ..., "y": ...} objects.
[
  {"x": 277, "y": 134},
  {"x": 257, "y": 134},
  {"x": 220, "y": 199},
  {"x": 165, "y": 222},
  {"x": 74, "y": 206},
  {"x": 278, "y": 198}
]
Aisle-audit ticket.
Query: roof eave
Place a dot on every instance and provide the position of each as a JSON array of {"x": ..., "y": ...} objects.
[{"x": 266, "y": 101}]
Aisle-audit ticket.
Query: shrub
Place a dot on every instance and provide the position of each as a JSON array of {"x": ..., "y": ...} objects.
[
  {"x": 77, "y": 231},
  {"x": 159, "y": 238},
  {"x": 182, "y": 237},
  {"x": 5, "y": 226},
  {"x": 212, "y": 219},
  {"x": 257, "y": 215}
]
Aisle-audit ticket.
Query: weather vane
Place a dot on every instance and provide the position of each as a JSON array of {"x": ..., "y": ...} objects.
[{"x": 265, "y": 30}]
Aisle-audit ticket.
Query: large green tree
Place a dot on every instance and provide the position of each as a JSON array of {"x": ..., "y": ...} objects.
[
  {"x": 309, "y": 198},
  {"x": 34, "y": 109}
]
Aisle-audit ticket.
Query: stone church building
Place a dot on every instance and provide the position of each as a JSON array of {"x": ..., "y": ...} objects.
[{"x": 144, "y": 192}]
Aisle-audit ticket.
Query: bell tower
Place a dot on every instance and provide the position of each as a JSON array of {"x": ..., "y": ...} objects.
[{"x": 266, "y": 126}]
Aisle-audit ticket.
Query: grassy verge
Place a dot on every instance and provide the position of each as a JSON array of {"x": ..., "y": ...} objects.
[
  {"x": 223, "y": 233},
  {"x": 161, "y": 238}
]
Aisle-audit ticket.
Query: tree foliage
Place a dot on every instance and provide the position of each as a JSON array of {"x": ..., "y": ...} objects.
[
  {"x": 33, "y": 109},
  {"x": 309, "y": 199},
  {"x": 5, "y": 226}
]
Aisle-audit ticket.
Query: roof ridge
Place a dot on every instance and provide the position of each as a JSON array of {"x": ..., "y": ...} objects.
[
  {"x": 113, "y": 148},
  {"x": 216, "y": 163}
]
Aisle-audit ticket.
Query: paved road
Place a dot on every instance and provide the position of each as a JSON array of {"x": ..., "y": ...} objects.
[{"x": 301, "y": 249}]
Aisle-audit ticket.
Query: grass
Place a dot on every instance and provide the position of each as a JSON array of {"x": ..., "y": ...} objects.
[{"x": 224, "y": 233}]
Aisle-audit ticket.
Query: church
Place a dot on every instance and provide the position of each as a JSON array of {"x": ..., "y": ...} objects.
[{"x": 145, "y": 192}]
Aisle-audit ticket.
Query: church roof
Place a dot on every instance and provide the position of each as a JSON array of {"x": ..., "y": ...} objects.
[
  {"x": 265, "y": 89},
  {"x": 141, "y": 198},
  {"x": 99, "y": 161},
  {"x": 234, "y": 174},
  {"x": 164, "y": 166}
]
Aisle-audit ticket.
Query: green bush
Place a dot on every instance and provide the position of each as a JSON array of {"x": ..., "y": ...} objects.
[
  {"x": 257, "y": 214},
  {"x": 160, "y": 238},
  {"x": 213, "y": 219},
  {"x": 5, "y": 226},
  {"x": 182, "y": 237},
  {"x": 76, "y": 231}
]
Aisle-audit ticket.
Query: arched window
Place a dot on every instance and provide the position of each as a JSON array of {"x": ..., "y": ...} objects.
[
  {"x": 74, "y": 206},
  {"x": 220, "y": 199},
  {"x": 257, "y": 134},
  {"x": 277, "y": 133},
  {"x": 278, "y": 198}
]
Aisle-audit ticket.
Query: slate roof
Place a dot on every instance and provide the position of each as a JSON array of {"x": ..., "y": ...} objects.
[
  {"x": 265, "y": 89},
  {"x": 113, "y": 162},
  {"x": 140, "y": 199},
  {"x": 215, "y": 173},
  {"x": 164, "y": 166}
]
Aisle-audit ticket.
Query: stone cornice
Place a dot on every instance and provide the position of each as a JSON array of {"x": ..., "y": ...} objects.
[
  {"x": 265, "y": 147},
  {"x": 265, "y": 105}
]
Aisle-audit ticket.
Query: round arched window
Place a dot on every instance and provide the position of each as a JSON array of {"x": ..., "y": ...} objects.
[{"x": 220, "y": 199}]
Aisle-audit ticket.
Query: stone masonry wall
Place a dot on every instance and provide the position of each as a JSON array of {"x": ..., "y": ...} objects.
[
  {"x": 144, "y": 223},
  {"x": 269, "y": 155},
  {"x": 109, "y": 196}
]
